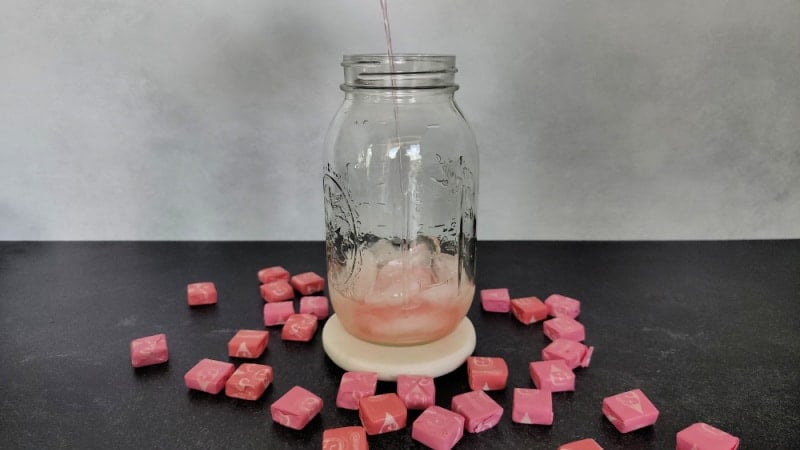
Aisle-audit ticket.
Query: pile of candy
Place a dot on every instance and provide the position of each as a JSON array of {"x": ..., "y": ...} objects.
[{"x": 436, "y": 427}]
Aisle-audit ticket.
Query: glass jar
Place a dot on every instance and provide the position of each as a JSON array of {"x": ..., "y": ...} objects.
[{"x": 400, "y": 186}]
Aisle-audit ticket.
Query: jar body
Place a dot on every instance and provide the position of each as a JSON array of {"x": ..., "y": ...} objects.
[{"x": 400, "y": 188}]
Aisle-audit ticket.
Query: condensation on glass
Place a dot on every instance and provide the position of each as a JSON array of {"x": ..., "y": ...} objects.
[{"x": 400, "y": 185}]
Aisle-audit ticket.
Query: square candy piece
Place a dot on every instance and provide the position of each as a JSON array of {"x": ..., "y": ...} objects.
[
  {"x": 583, "y": 444},
  {"x": 553, "y": 376},
  {"x": 208, "y": 375},
  {"x": 573, "y": 353},
  {"x": 416, "y": 391},
  {"x": 201, "y": 293},
  {"x": 438, "y": 428},
  {"x": 277, "y": 313},
  {"x": 316, "y": 305},
  {"x": 248, "y": 343},
  {"x": 275, "y": 273},
  {"x": 355, "y": 386},
  {"x": 299, "y": 327},
  {"x": 485, "y": 373},
  {"x": 564, "y": 328},
  {"x": 295, "y": 408},
  {"x": 382, "y": 413},
  {"x": 629, "y": 411},
  {"x": 308, "y": 283},
  {"x": 495, "y": 300},
  {"x": 532, "y": 406},
  {"x": 149, "y": 350},
  {"x": 277, "y": 291},
  {"x": 702, "y": 436},
  {"x": 249, "y": 381},
  {"x": 345, "y": 438},
  {"x": 479, "y": 410},
  {"x": 528, "y": 310},
  {"x": 560, "y": 306}
]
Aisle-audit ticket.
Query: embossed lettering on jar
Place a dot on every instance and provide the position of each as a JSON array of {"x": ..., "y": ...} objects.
[{"x": 400, "y": 184}]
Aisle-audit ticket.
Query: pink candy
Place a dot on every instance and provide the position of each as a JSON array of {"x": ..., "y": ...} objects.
[
  {"x": 277, "y": 313},
  {"x": 299, "y": 327},
  {"x": 149, "y": 350},
  {"x": 248, "y": 343},
  {"x": 355, "y": 386},
  {"x": 249, "y": 381},
  {"x": 382, "y": 413},
  {"x": 702, "y": 436},
  {"x": 438, "y": 428},
  {"x": 479, "y": 410},
  {"x": 416, "y": 391},
  {"x": 583, "y": 444},
  {"x": 488, "y": 374},
  {"x": 345, "y": 438},
  {"x": 495, "y": 300},
  {"x": 295, "y": 408},
  {"x": 560, "y": 306},
  {"x": 316, "y": 305},
  {"x": 276, "y": 291},
  {"x": 564, "y": 328},
  {"x": 308, "y": 283},
  {"x": 528, "y": 310},
  {"x": 573, "y": 353},
  {"x": 532, "y": 406},
  {"x": 275, "y": 273},
  {"x": 553, "y": 376},
  {"x": 629, "y": 411},
  {"x": 208, "y": 375},
  {"x": 201, "y": 294}
]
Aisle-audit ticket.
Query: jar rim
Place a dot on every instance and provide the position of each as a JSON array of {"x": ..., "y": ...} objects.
[{"x": 401, "y": 71}]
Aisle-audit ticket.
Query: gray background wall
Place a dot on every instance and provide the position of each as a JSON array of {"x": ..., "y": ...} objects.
[{"x": 145, "y": 119}]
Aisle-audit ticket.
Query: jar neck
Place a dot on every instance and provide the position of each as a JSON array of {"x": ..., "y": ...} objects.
[{"x": 399, "y": 74}]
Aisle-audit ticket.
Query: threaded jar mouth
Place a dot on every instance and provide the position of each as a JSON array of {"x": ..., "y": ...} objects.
[{"x": 402, "y": 71}]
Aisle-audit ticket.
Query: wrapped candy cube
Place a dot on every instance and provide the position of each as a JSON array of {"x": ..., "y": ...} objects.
[
  {"x": 573, "y": 353},
  {"x": 583, "y": 444},
  {"x": 532, "y": 406},
  {"x": 416, "y": 391},
  {"x": 564, "y": 328},
  {"x": 299, "y": 327},
  {"x": 479, "y": 410},
  {"x": 248, "y": 343},
  {"x": 208, "y": 375},
  {"x": 316, "y": 305},
  {"x": 355, "y": 386},
  {"x": 560, "y": 306},
  {"x": 495, "y": 300},
  {"x": 702, "y": 436},
  {"x": 308, "y": 283},
  {"x": 204, "y": 293},
  {"x": 382, "y": 413},
  {"x": 485, "y": 373},
  {"x": 553, "y": 376},
  {"x": 249, "y": 381},
  {"x": 295, "y": 408},
  {"x": 438, "y": 428},
  {"x": 149, "y": 350},
  {"x": 277, "y": 313},
  {"x": 528, "y": 309},
  {"x": 345, "y": 438},
  {"x": 275, "y": 273},
  {"x": 276, "y": 291},
  {"x": 629, "y": 411}
]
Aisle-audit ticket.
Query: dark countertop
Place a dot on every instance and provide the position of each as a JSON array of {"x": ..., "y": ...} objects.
[{"x": 710, "y": 331}]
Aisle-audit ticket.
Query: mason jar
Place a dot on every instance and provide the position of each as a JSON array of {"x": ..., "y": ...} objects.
[{"x": 400, "y": 189}]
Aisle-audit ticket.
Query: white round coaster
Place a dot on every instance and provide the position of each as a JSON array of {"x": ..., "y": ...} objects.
[{"x": 432, "y": 359}]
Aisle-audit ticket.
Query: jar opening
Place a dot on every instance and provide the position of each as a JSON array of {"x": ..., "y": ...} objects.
[{"x": 402, "y": 71}]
